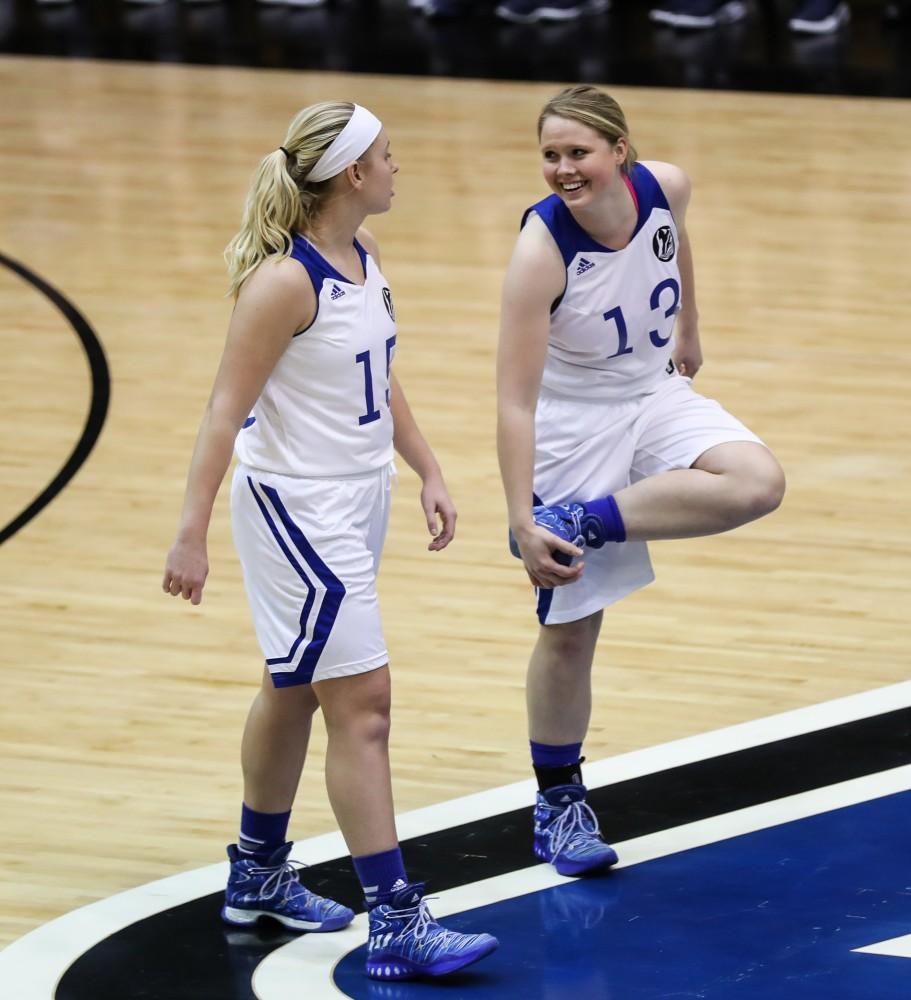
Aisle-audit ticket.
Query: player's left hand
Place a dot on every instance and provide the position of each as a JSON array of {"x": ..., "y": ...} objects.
[
  {"x": 440, "y": 512},
  {"x": 688, "y": 353}
]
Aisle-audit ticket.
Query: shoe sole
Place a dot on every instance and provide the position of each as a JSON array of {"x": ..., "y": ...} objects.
[
  {"x": 570, "y": 869},
  {"x": 246, "y": 918},
  {"x": 682, "y": 20},
  {"x": 828, "y": 26},
  {"x": 397, "y": 968},
  {"x": 730, "y": 13},
  {"x": 550, "y": 14}
]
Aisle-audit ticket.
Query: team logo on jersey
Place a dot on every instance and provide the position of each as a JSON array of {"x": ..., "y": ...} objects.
[
  {"x": 663, "y": 243},
  {"x": 584, "y": 265},
  {"x": 336, "y": 293},
  {"x": 390, "y": 308}
]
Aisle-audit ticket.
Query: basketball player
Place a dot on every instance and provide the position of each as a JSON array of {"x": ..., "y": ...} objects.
[
  {"x": 602, "y": 440},
  {"x": 306, "y": 397}
]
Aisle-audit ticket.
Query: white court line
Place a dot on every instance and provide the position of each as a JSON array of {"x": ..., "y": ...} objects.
[
  {"x": 303, "y": 968},
  {"x": 899, "y": 947},
  {"x": 32, "y": 966}
]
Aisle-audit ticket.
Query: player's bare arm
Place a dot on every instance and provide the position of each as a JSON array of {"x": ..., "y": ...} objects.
[
  {"x": 274, "y": 303},
  {"x": 535, "y": 277}
]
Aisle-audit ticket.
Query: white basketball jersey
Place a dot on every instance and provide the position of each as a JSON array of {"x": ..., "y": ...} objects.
[
  {"x": 324, "y": 410},
  {"x": 611, "y": 332}
]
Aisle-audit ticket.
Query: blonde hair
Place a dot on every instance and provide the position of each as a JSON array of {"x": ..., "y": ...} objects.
[
  {"x": 599, "y": 111},
  {"x": 281, "y": 201}
]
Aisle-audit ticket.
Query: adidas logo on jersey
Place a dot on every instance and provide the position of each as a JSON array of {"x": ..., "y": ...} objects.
[
  {"x": 336, "y": 293},
  {"x": 584, "y": 265}
]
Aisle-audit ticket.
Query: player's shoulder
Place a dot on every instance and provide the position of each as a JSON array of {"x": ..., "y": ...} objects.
[
  {"x": 673, "y": 180},
  {"x": 536, "y": 243},
  {"x": 276, "y": 272},
  {"x": 536, "y": 271},
  {"x": 278, "y": 281}
]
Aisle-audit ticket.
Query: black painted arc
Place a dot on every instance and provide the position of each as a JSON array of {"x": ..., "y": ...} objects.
[
  {"x": 186, "y": 953},
  {"x": 101, "y": 394}
]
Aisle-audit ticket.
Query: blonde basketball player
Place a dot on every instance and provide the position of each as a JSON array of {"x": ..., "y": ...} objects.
[
  {"x": 603, "y": 442},
  {"x": 306, "y": 397}
]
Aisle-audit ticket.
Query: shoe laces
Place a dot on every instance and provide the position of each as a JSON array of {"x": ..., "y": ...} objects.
[
  {"x": 283, "y": 878},
  {"x": 575, "y": 824},
  {"x": 564, "y": 518},
  {"x": 420, "y": 922},
  {"x": 576, "y": 515}
]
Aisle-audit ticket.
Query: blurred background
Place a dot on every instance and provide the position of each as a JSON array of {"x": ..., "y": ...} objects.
[{"x": 820, "y": 46}]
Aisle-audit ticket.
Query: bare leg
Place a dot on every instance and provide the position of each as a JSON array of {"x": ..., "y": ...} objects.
[
  {"x": 275, "y": 743},
  {"x": 727, "y": 486},
  {"x": 558, "y": 689},
  {"x": 358, "y": 780}
]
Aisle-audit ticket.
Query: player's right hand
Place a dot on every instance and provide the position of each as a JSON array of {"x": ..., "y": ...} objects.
[
  {"x": 185, "y": 571},
  {"x": 538, "y": 547}
]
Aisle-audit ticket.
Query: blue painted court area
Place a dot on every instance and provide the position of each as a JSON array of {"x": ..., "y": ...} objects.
[{"x": 772, "y": 914}]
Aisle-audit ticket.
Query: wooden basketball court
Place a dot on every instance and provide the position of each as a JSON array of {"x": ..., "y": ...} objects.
[{"x": 120, "y": 186}]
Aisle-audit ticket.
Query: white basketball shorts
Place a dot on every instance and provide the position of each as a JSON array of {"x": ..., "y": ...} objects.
[
  {"x": 589, "y": 449},
  {"x": 310, "y": 551}
]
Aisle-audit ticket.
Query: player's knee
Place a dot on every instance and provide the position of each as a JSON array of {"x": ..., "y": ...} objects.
[
  {"x": 766, "y": 490},
  {"x": 374, "y": 725},
  {"x": 365, "y": 724},
  {"x": 572, "y": 643}
]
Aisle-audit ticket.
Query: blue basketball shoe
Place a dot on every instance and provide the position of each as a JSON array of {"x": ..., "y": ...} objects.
[
  {"x": 272, "y": 890},
  {"x": 405, "y": 941},
  {"x": 567, "y": 834},
  {"x": 569, "y": 521}
]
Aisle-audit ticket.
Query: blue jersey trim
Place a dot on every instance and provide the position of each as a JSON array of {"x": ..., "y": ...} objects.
[
  {"x": 318, "y": 268},
  {"x": 571, "y": 238},
  {"x": 316, "y": 264}
]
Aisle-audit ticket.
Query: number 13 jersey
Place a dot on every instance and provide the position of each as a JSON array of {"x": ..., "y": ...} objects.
[{"x": 611, "y": 332}]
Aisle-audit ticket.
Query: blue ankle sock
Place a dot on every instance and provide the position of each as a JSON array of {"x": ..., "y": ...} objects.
[
  {"x": 261, "y": 833},
  {"x": 556, "y": 765},
  {"x": 378, "y": 873},
  {"x": 607, "y": 510},
  {"x": 546, "y": 755}
]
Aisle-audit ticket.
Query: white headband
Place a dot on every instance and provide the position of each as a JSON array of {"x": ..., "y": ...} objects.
[{"x": 352, "y": 142}]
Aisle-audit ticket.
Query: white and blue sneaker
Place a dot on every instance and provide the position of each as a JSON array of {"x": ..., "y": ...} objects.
[
  {"x": 272, "y": 890},
  {"x": 530, "y": 11},
  {"x": 819, "y": 17},
  {"x": 567, "y": 833},
  {"x": 405, "y": 941},
  {"x": 572, "y": 523},
  {"x": 568, "y": 521},
  {"x": 698, "y": 13}
]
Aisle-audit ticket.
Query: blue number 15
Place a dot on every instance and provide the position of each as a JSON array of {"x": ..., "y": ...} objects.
[{"x": 372, "y": 413}]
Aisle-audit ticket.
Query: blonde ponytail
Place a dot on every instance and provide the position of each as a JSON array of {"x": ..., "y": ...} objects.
[{"x": 281, "y": 201}]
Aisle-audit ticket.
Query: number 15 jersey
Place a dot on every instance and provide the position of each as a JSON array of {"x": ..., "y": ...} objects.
[
  {"x": 324, "y": 410},
  {"x": 611, "y": 332}
]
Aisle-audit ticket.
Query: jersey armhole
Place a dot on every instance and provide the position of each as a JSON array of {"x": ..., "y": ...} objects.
[{"x": 317, "y": 283}]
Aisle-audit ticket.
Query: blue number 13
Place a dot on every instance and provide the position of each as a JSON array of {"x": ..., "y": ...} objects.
[{"x": 668, "y": 285}]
